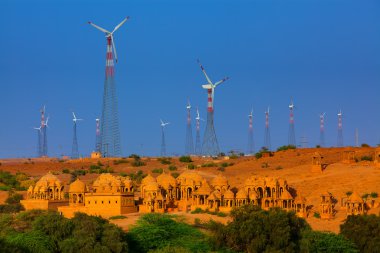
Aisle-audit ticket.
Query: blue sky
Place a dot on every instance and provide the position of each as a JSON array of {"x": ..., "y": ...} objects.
[{"x": 324, "y": 54}]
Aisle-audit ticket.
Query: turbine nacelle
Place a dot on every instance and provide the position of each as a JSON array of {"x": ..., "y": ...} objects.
[
  {"x": 110, "y": 34},
  {"x": 163, "y": 124},
  {"x": 75, "y": 119}
]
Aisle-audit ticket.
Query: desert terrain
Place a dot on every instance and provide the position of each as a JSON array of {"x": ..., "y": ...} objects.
[{"x": 293, "y": 165}]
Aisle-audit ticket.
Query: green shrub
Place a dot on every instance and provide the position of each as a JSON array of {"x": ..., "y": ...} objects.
[
  {"x": 374, "y": 195},
  {"x": 197, "y": 210},
  {"x": 66, "y": 171},
  {"x": 172, "y": 168},
  {"x": 117, "y": 217},
  {"x": 316, "y": 215},
  {"x": 211, "y": 164},
  {"x": 191, "y": 166},
  {"x": 120, "y": 161},
  {"x": 13, "y": 198},
  {"x": 138, "y": 163},
  {"x": 286, "y": 147},
  {"x": 165, "y": 160},
  {"x": 348, "y": 193},
  {"x": 175, "y": 174},
  {"x": 99, "y": 163},
  {"x": 364, "y": 196},
  {"x": 185, "y": 159},
  {"x": 157, "y": 171},
  {"x": 366, "y": 158},
  {"x": 365, "y": 145},
  {"x": 134, "y": 156}
]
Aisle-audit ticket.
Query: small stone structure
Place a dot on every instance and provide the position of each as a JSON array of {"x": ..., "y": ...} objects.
[
  {"x": 355, "y": 204},
  {"x": 348, "y": 156},
  {"x": 317, "y": 165},
  {"x": 326, "y": 206},
  {"x": 96, "y": 155},
  {"x": 47, "y": 194}
]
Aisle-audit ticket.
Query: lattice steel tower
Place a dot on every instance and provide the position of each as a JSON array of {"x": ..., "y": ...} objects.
[
  {"x": 291, "y": 134},
  {"x": 75, "y": 150},
  {"x": 340, "y": 129},
  {"x": 210, "y": 146},
  {"x": 189, "y": 145},
  {"x": 267, "y": 143},
  {"x": 39, "y": 144},
  {"x": 98, "y": 144},
  {"x": 198, "y": 146},
  {"x": 109, "y": 127},
  {"x": 251, "y": 145},
  {"x": 322, "y": 129},
  {"x": 43, "y": 129},
  {"x": 163, "y": 141}
]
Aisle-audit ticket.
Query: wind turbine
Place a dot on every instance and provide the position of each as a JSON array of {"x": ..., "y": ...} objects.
[
  {"x": 109, "y": 35},
  {"x": 189, "y": 145},
  {"x": 75, "y": 150},
  {"x": 340, "y": 129},
  {"x": 163, "y": 142},
  {"x": 322, "y": 129},
  {"x": 210, "y": 86},
  {"x": 267, "y": 142},
  {"x": 210, "y": 145},
  {"x": 251, "y": 148},
  {"x": 291, "y": 134}
]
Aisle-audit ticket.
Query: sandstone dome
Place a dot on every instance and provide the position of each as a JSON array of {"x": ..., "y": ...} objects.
[{"x": 77, "y": 186}]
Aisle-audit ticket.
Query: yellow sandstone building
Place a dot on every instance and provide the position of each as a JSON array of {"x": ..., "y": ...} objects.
[{"x": 114, "y": 195}]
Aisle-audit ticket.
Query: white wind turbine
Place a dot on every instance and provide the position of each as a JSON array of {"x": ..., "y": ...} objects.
[
  {"x": 210, "y": 84},
  {"x": 163, "y": 124},
  {"x": 75, "y": 119},
  {"x": 110, "y": 34}
]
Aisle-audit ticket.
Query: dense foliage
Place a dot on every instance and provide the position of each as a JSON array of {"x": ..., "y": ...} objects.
[
  {"x": 162, "y": 233},
  {"x": 12, "y": 203},
  {"x": 364, "y": 231},
  {"x": 286, "y": 147},
  {"x": 42, "y": 231},
  {"x": 255, "y": 230},
  {"x": 315, "y": 242}
]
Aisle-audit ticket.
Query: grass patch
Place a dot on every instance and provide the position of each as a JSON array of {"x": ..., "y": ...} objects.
[
  {"x": 209, "y": 165},
  {"x": 117, "y": 217},
  {"x": 191, "y": 166}
]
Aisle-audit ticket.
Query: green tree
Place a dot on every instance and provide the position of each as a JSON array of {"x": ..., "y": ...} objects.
[
  {"x": 157, "y": 231},
  {"x": 256, "y": 230},
  {"x": 364, "y": 231},
  {"x": 320, "y": 242}
]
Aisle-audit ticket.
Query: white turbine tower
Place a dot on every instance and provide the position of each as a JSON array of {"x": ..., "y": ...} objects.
[
  {"x": 163, "y": 142},
  {"x": 75, "y": 150}
]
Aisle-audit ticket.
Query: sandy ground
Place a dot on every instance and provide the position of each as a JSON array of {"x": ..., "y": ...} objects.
[{"x": 292, "y": 165}]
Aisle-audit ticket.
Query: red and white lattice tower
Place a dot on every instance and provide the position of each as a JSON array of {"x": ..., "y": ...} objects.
[
  {"x": 292, "y": 135},
  {"x": 322, "y": 129},
  {"x": 267, "y": 143},
  {"x": 109, "y": 125},
  {"x": 189, "y": 145},
  {"x": 98, "y": 145},
  {"x": 340, "y": 129},
  {"x": 198, "y": 147},
  {"x": 251, "y": 146},
  {"x": 210, "y": 146}
]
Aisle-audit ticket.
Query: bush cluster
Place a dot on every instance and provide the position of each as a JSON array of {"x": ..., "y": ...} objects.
[{"x": 185, "y": 159}]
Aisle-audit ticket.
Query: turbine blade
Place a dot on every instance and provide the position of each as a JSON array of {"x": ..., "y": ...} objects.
[
  {"x": 119, "y": 25},
  {"x": 204, "y": 72},
  {"x": 221, "y": 81},
  {"x": 114, "y": 48},
  {"x": 99, "y": 28}
]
